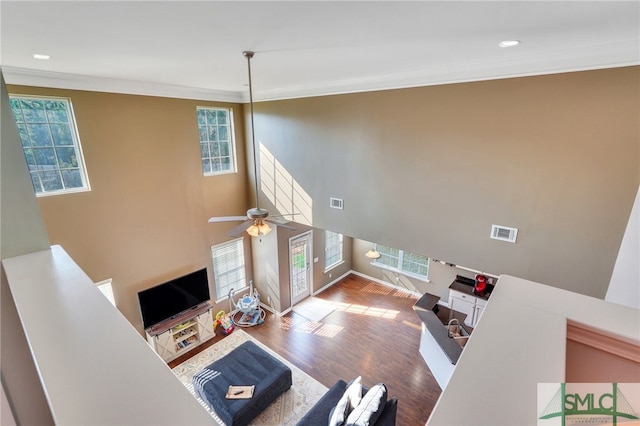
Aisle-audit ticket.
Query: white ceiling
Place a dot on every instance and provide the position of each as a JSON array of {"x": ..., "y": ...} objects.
[{"x": 194, "y": 49}]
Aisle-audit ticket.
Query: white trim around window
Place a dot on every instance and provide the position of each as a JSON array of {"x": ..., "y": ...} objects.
[
  {"x": 228, "y": 268},
  {"x": 107, "y": 290},
  {"x": 217, "y": 140},
  {"x": 333, "y": 250},
  {"x": 402, "y": 262},
  {"x": 50, "y": 143}
]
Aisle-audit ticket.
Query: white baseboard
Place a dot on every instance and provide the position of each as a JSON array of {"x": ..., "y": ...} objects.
[
  {"x": 331, "y": 283},
  {"x": 273, "y": 311}
]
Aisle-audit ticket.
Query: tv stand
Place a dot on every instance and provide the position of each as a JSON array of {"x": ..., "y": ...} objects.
[{"x": 181, "y": 333}]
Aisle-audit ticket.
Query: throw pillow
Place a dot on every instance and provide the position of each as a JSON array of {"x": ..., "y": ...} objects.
[
  {"x": 349, "y": 400},
  {"x": 370, "y": 408}
]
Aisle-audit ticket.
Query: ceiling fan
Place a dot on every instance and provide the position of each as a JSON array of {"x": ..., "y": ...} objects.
[{"x": 256, "y": 223}]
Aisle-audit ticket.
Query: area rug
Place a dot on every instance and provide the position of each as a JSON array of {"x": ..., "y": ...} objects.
[
  {"x": 314, "y": 309},
  {"x": 286, "y": 410}
]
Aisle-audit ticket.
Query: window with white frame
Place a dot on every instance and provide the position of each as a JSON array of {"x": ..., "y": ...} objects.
[
  {"x": 107, "y": 290},
  {"x": 332, "y": 249},
  {"x": 228, "y": 267},
  {"x": 217, "y": 141},
  {"x": 404, "y": 262},
  {"x": 50, "y": 143}
]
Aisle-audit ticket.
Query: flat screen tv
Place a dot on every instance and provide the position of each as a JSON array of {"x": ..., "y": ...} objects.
[{"x": 167, "y": 300}]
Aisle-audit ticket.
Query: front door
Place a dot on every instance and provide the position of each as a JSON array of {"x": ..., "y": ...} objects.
[{"x": 300, "y": 256}]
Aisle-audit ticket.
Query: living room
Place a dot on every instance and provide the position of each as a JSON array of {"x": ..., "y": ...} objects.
[{"x": 425, "y": 169}]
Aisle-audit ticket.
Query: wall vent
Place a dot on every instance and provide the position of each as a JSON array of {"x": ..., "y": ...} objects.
[
  {"x": 504, "y": 233},
  {"x": 336, "y": 203}
]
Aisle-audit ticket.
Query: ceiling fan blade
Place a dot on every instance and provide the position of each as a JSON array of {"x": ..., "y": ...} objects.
[
  {"x": 238, "y": 230},
  {"x": 226, "y": 219}
]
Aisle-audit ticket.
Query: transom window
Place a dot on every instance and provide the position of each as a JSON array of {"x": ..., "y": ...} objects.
[
  {"x": 403, "y": 262},
  {"x": 332, "y": 249},
  {"x": 50, "y": 143},
  {"x": 217, "y": 141},
  {"x": 228, "y": 267}
]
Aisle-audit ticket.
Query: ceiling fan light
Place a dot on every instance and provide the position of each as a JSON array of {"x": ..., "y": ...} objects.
[
  {"x": 253, "y": 230},
  {"x": 373, "y": 254},
  {"x": 264, "y": 228},
  {"x": 258, "y": 229}
]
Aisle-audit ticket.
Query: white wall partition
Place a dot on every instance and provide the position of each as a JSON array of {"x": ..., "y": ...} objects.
[{"x": 624, "y": 287}]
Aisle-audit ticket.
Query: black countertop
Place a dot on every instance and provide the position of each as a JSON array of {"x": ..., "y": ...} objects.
[
  {"x": 466, "y": 285},
  {"x": 427, "y": 302},
  {"x": 424, "y": 307}
]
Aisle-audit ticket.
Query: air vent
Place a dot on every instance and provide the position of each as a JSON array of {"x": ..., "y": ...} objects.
[
  {"x": 504, "y": 233},
  {"x": 336, "y": 203}
]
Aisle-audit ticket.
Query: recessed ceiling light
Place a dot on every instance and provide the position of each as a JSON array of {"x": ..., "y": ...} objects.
[
  {"x": 41, "y": 56},
  {"x": 509, "y": 43}
]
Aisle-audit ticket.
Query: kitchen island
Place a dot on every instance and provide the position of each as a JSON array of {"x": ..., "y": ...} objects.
[
  {"x": 523, "y": 340},
  {"x": 439, "y": 351}
]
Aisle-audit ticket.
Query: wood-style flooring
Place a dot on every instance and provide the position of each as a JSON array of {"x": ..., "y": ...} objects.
[{"x": 373, "y": 333}]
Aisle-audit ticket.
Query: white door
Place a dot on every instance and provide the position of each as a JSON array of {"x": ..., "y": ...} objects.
[{"x": 300, "y": 264}]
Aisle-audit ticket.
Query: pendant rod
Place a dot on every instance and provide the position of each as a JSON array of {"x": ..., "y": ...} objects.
[{"x": 249, "y": 54}]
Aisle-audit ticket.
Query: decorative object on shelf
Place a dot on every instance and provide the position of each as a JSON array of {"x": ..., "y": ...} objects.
[
  {"x": 373, "y": 254},
  {"x": 256, "y": 225}
]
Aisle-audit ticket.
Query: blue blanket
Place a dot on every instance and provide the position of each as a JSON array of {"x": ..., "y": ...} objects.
[{"x": 247, "y": 364}]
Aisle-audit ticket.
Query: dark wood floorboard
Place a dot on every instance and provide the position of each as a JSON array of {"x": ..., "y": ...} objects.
[{"x": 374, "y": 333}]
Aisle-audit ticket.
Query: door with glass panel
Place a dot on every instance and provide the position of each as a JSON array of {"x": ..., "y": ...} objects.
[{"x": 300, "y": 263}]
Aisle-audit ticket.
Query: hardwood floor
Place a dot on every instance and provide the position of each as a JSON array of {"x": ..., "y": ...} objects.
[{"x": 373, "y": 333}]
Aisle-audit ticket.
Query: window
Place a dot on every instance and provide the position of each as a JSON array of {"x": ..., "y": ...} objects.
[
  {"x": 413, "y": 265},
  {"x": 228, "y": 267},
  {"x": 217, "y": 144},
  {"x": 50, "y": 143},
  {"x": 332, "y": 249},
  {"x": 107, "y": 290}
]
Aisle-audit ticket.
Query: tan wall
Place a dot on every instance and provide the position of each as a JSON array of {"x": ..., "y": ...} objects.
[
  {"x": 430, "y": 169},
  {"x": 426, "y": 170},
  {"x": 585, "y": 365},
  {"x": 145, "y": 219}
]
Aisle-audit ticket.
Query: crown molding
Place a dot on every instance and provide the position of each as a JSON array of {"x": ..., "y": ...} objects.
[
  {"x": 611, "y": 55},
  {"x": 28, "y": 77}
]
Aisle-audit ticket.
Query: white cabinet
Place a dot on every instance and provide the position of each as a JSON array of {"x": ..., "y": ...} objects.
[
  {"x": 469, "y": 305},
  {"x": 163, "y": 344},
  {"x": 462, "y": 303},
  {"x": 172, "y": 340},
  {"x": 205, "y": 326},
  {"x": 479, "y": 309}
]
